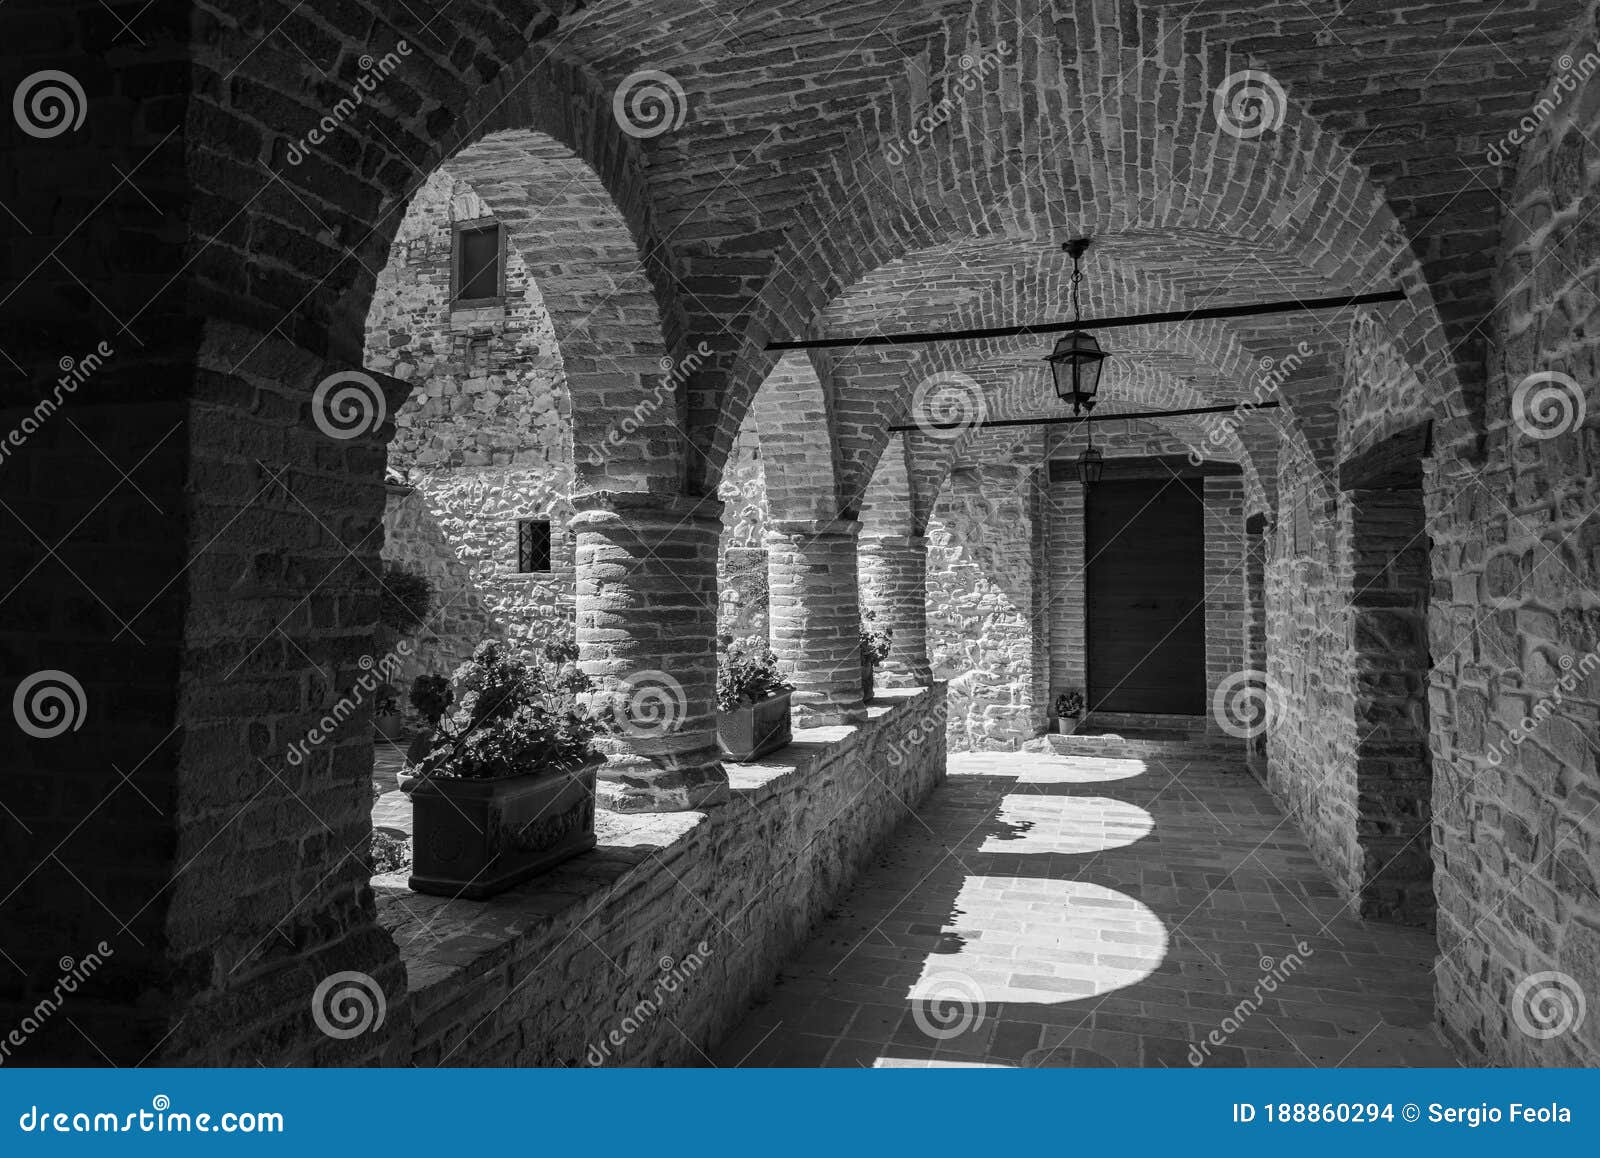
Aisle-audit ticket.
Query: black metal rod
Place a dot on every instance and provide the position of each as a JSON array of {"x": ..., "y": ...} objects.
[
  {"x": 925, "y": 337},
  {"x": 1062, "y": 420}
]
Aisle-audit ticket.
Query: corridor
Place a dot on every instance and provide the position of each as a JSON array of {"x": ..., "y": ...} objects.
[{"x": 1043, "y": 910}]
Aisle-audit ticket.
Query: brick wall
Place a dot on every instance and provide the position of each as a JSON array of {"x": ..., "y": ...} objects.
[{"x": 693, "y": 912}]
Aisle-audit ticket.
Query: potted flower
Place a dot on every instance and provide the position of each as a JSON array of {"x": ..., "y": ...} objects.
[
  {"x": 1069, "y": 706},
  {"x": 752, "y": 702},
  {"x": 386, "y": 716},
  {"x": 875, "y": 643},
  {"x": 507, "y": 787},
  {"x": 431, "y": 696}
]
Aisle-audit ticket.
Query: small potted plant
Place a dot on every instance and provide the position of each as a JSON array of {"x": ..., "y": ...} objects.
[
  {"x": 431, "y": 696},
  {"x": 404, "y": 601},
  {"x": 875, "y": 644},
  {"x": 507, "y": 789},
  {"x": 752, "y": 702},
  {"x": 386, "y": 716},
  {"x": 1069, "y": 706}
]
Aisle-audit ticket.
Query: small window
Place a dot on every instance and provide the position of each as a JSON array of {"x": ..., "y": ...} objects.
[
  {"x": 533, "y": 546},
  {"x": 477, "y": 272}
]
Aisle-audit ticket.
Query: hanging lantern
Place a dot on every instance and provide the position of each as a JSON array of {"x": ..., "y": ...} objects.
[
  {"x": 1075, "y": 362},
  {"x": 1091, "y": 463}
]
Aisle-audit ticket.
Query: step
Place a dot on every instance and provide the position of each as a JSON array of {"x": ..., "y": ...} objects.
[{"x": 1115, "y": 746}]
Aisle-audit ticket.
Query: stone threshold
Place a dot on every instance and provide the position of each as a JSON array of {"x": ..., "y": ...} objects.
[{"x": 441, "y": 938}]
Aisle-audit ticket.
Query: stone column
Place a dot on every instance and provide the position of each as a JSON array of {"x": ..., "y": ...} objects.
[
  {"x": 894, "y": 580},
  {"x": 647, "y": 621},
  {"x": 815, "y": 612}
]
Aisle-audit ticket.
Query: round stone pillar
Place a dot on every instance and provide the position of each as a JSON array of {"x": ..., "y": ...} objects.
[
  {"x": 894, "y": 582},
  {"x": 647, "y": 622},
  {"x": 815, "y": 614}
]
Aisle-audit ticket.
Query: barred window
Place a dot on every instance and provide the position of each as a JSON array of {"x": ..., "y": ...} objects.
[{"x": 533, "y": 545}]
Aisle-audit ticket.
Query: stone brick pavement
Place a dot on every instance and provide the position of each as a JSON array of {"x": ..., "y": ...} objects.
[{"x": 1044, "y": 910}]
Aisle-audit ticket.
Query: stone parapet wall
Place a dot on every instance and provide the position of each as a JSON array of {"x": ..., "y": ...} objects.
[{"x": 667, "y": 932}]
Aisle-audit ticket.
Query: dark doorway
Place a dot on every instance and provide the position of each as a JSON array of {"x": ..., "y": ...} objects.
[{"x": 1145, "y": 546}]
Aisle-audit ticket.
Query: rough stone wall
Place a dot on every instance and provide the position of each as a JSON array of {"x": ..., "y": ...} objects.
[
  {"x": 1311, "y": 745},
  {"x": 1515, "y": 627},
  {"x": 546, "y": 974},
  {"x": 983, "y": 634},
  {"x": 484, "y": 438},
  {"x": 742, "y": 550}
]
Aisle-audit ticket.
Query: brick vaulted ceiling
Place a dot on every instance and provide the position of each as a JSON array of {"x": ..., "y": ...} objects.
[{"x": 799, "y": 197}]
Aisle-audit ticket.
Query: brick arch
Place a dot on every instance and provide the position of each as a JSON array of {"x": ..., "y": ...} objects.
[
  {"x": 948, "y": 189},
  {"x": 798, "y": 452}
]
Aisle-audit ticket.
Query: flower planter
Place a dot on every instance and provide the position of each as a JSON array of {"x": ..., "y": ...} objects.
[
  {"x": 1066, "y": 725},
  {"x": 866, "y": 683},
  {"x": 476, "y": 838},
  {"x": 751, "y": 732},
  {"x": 391, "y": 726}
]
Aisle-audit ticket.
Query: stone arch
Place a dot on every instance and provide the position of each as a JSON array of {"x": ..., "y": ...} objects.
[{"x": 798, "y": 453}]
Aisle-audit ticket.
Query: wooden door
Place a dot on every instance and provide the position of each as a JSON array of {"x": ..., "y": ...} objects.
[{"x": 1145, "y": 597}]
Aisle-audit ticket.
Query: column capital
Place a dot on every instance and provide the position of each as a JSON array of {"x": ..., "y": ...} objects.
[
  {"x": 842, "y": 527},
  {"x": 596, "y": 510}
]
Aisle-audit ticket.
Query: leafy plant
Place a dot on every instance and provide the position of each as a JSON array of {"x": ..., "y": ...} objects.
[
  {"x": 388, "y": 704},
  {"x": 875, "y": 641},
  {"x": 432, "y": 697},
  {"x": 1069, "y": 704},
  {"x": 513, "y": 718},
  {"x": 404, "y": 598},
  {"x": 561, "y": 655},
  {"x": 388, "y": 853},
  {"x": 747, "y": 673}
]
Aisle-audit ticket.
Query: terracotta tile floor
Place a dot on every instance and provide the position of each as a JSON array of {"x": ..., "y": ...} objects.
[{"x": 1051, "y": 910}]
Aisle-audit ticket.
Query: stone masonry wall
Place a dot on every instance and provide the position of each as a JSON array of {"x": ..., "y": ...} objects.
[
  {"x": 1515, "y": 624},
  {"x": 692, "y": 913},
  {"x": 983, "y": 630}
]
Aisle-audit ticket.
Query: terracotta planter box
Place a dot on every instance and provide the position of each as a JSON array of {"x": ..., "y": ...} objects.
[
  {"x": 746, "y": 734},
  {"x": 391, "y": 727},
  {"x": 476, "y": 838}
]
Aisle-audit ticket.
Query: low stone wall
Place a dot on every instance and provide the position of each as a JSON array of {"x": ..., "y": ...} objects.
[{"x": 649, "y": 950}]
